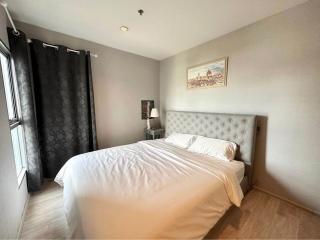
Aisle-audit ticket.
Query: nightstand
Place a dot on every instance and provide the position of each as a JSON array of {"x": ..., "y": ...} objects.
[{"x": 151, "y": 134}]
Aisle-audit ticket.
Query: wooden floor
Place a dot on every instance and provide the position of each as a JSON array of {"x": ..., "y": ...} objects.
[
  {"x": 45, "y": 218},
  {"x": 260, "y": 216}
]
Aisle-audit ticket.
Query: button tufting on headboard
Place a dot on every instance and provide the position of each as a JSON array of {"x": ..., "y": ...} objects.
[{"x": 238, "y": 128}]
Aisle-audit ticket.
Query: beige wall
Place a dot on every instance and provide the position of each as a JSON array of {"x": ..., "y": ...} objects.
[
  {"x": 274, "y": 72},
  {"x": 120, "y": 80},
  {"x": 12, "y": 197}
]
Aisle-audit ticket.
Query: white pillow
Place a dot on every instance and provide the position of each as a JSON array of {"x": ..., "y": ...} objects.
[
  {"x": 217, "y": 148},
  {"x": 180, "y": 139}
]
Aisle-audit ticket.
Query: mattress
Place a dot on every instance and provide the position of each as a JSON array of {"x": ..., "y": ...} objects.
[{"x": 149, "y": 189}]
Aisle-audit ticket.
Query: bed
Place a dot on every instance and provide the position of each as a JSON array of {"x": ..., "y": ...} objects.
[{"x": 153, "y": 189}]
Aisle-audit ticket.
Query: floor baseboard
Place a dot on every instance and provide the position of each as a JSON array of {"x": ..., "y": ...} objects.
[
  {"x": 287, "y": 200},
  {"x": 23, "y": 216}
]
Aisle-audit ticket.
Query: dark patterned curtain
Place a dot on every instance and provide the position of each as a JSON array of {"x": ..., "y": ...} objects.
[
  {"x": 60, "y": 96},
  {"x": 20, "y": 54},
  {"x": 64, "y": 103}
]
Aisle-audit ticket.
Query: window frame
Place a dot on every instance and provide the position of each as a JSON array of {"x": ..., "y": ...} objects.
[
  {"x": 16, "y": 121},
  {"x": 13, "y": 91}
]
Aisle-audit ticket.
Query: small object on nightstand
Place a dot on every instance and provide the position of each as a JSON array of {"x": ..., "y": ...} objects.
[{"x": 151, "y": 134}]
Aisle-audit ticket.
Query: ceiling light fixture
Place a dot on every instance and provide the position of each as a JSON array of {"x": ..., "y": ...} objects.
[{"x": 124, "y": 28}]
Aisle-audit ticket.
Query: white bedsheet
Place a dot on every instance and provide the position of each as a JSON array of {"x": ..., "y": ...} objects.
[
  {"x": 149, "y": 189},
  {"x": 238, "y": 168}
]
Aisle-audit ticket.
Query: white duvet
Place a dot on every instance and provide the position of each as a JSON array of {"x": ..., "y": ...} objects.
[{"x": 149, "y": 189}]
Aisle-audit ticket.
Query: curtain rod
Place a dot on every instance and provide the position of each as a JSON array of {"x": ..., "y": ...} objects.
[
  {"x": 5, "y": 6},
  {"x": 68, "y": 49}
]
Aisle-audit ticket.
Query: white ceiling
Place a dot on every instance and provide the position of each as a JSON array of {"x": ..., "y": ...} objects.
[{"x": 167, "y": 27}]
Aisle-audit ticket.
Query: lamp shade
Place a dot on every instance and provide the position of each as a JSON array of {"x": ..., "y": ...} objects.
[{"x": 154, "y": 113}]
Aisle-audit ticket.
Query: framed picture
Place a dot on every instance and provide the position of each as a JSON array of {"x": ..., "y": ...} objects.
[
  {"x": 146, "y": 106},
  {"x": 211, "y": 74}
]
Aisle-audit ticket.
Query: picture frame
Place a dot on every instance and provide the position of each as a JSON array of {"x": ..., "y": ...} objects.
[
  {"x": 146, "y": 107},
  {"x": 209, "y": 74}
]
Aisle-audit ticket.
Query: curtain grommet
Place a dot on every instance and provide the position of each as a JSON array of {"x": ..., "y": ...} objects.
[{"x": 16, "y": 33}]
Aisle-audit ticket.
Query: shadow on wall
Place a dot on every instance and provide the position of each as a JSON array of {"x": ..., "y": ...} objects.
[
  {"x": 261, "y": 175},
  {"x": 261, "y": 146}
]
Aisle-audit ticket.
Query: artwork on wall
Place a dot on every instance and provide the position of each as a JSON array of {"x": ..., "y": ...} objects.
[
  {"x": 146, "y": 106},
  {"x": 211, "y": 74}
]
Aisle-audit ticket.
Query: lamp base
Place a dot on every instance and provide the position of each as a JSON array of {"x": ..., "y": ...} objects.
[{"x": 148, "y": 123}]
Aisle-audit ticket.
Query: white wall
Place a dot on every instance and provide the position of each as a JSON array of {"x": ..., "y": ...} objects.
[
  {"x": 12, "y": 197},
  {"x": 120, "y": 81},
  {"x": 274, "y": 72}
]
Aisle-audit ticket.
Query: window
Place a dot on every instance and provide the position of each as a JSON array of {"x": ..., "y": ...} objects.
[{"x": 14, "y": 111}]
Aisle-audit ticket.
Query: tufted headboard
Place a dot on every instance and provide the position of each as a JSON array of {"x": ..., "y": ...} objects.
[{"x": 237, "y": 128}]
